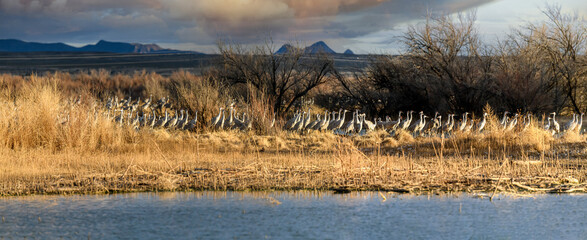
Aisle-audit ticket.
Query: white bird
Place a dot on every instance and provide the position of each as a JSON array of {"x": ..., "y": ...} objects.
[
  {"x": 406, "y": 123},
  {"x": 215, "y": 120},
  {"x": 504, "y": 120},
  {"x": 339, "y": 123},
  {"x": 512, "y": 123},
  {"x": 314, "y": 123},
  {"x": 370, "y": 126},
  {"x": 580, "y": 124},
  {"x": 192, "y": 124},
  {"x": 570, "y": 126},
  {"x": 324, "y": 125},
  {"x": 220, "y": 122},
  {"x": 359, "y": 124},
  {"x": 527, "y": 121},
  {"x": 555, "y": 124},
  {"x": 463, "y": 122},
  {"x": 350, "y": 126},
  {"x": 482, "y": 124}
]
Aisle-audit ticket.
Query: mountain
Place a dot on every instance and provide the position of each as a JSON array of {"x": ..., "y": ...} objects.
[
  {"x": 286, "y": 48},
  {"x": 13, "y": 45},
  {"x": 348, "y": 52},
  {"x": 318, "y": 47}
]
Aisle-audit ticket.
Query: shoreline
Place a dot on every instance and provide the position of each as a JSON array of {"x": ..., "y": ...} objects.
[{"x": 194, "y": 163}]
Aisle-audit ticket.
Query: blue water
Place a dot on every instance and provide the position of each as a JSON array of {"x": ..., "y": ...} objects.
[{"x": 292, "y": 215}]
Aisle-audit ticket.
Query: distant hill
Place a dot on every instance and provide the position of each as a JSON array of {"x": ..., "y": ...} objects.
[
  {"x": 14, "y": 45},
  {"x": 285, "y": 49},
  {"x": 348, "y": 52},
  {"x": 318, "y": 47}
]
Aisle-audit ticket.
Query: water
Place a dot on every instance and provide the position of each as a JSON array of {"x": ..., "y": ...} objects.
[{"x": 298, "y": 215}]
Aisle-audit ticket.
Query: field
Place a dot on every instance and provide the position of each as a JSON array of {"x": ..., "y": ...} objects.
[
  {"x": 163, "y": 64},
  {"x": 59, "y": 137}
]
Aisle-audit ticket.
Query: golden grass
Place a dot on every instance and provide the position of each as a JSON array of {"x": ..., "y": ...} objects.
[{"x": 49, "y": 145}]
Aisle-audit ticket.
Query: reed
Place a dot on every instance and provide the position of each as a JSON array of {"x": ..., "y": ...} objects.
[{"x": 60, "y": 140}]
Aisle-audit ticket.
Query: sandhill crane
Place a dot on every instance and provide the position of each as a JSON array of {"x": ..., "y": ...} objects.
[
  {"x": 512, "y": 123},
  {"x": 463, "y": 122},
  {"x": 292, "y": 121},
  {"x": 570, "y": 126},
  {"x": 370, "y": 126},
  {"x": 359, "y": 125},
  {"x": 334, "y": 120},
  {"x": 313, "y": 124},
  {"x": 339, "y": 122},
  {"x": 171, "y": 123},
  {"x": 184, "y": 120},
  {"x": 153, "y": 120},
  {"x": 324, "y": 124},
  {"x": 215, "y": 120},
  {"x": 228, "y": 122},
  {"x": 162, "y": 121},
  {"x": 504, "y": 120},
  {"x": 193, "y": 123},
  {"x": 420, "y": 125},
  {"x": 247, "y": 123},
  {"x": 220, "y": 123},
  {"x": 308, "y": 119},
  {"x": 272, "y": 121},
  {"x": 580, "y": 124},
  {"x": 482, "y": 124},
  {"x": 437, "y": 123},
  {"x": 396, "y": 124},
  {"x": 350, "y": 126},
  {"x": 547, "y": 126},
  {"x": 319, "y": 124},
  {"x": 120, "y": 117},
  {"x": 450, "y": 123},
  {"x": 300, "y": 123},
  {"x": 555, "y": 124},
  {"x": 527, "y": 121},
  {"x": 406, "y": 123},
  {"x": 470, "y": 126}
]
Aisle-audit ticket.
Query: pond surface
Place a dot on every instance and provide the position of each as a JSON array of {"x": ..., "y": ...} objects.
[{"x": 292, "y": 215}]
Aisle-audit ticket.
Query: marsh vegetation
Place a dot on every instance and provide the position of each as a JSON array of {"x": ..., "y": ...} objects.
[{"x": 98, "y": 132}]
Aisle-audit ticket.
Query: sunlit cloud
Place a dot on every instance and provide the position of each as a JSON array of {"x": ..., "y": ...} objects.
[{"x": 360, "y": 23}]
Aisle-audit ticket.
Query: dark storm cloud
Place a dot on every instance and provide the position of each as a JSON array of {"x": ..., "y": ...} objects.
[{"x": 203, "y": 21}]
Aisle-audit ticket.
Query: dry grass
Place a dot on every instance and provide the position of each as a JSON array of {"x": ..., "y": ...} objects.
[{"x": 49, "y": 145}]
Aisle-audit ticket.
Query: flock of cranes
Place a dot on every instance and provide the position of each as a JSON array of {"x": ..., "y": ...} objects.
[
  {"x": 139, "y": 114},
  {"x": 335, "y": 121},
  {"x": 160, "y": 114}
]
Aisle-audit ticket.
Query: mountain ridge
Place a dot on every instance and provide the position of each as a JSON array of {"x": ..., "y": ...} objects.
[
  {"x": 16, "y": 45},
  {"x": 315, "y": 48}
]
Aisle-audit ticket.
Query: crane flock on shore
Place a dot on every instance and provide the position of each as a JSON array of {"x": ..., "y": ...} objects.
[{"x": 161, "y": 114}]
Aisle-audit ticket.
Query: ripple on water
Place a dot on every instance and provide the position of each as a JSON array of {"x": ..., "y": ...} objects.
[{"x": 323, "y": 215}]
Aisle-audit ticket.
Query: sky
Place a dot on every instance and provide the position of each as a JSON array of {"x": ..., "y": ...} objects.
[{"x": 364, "y": 26}]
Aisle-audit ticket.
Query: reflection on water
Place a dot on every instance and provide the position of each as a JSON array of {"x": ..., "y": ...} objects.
[{"x": 304, "y": 215}]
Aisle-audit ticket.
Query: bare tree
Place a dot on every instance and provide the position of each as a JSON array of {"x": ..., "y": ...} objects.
[
  {"x": 521, "y": 79},
  {"x": 449, "y": 52},
  {"x": 284, "y": 78},
  {"x": 562, "y": 44}
]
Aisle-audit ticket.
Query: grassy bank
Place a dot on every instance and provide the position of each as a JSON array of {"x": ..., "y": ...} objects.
[
  {"x": 51, "y": 143},
  {"x": 239, "y": 161}
]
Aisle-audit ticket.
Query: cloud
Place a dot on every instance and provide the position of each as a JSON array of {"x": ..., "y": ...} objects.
[{"x": 204, "y": 21}]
